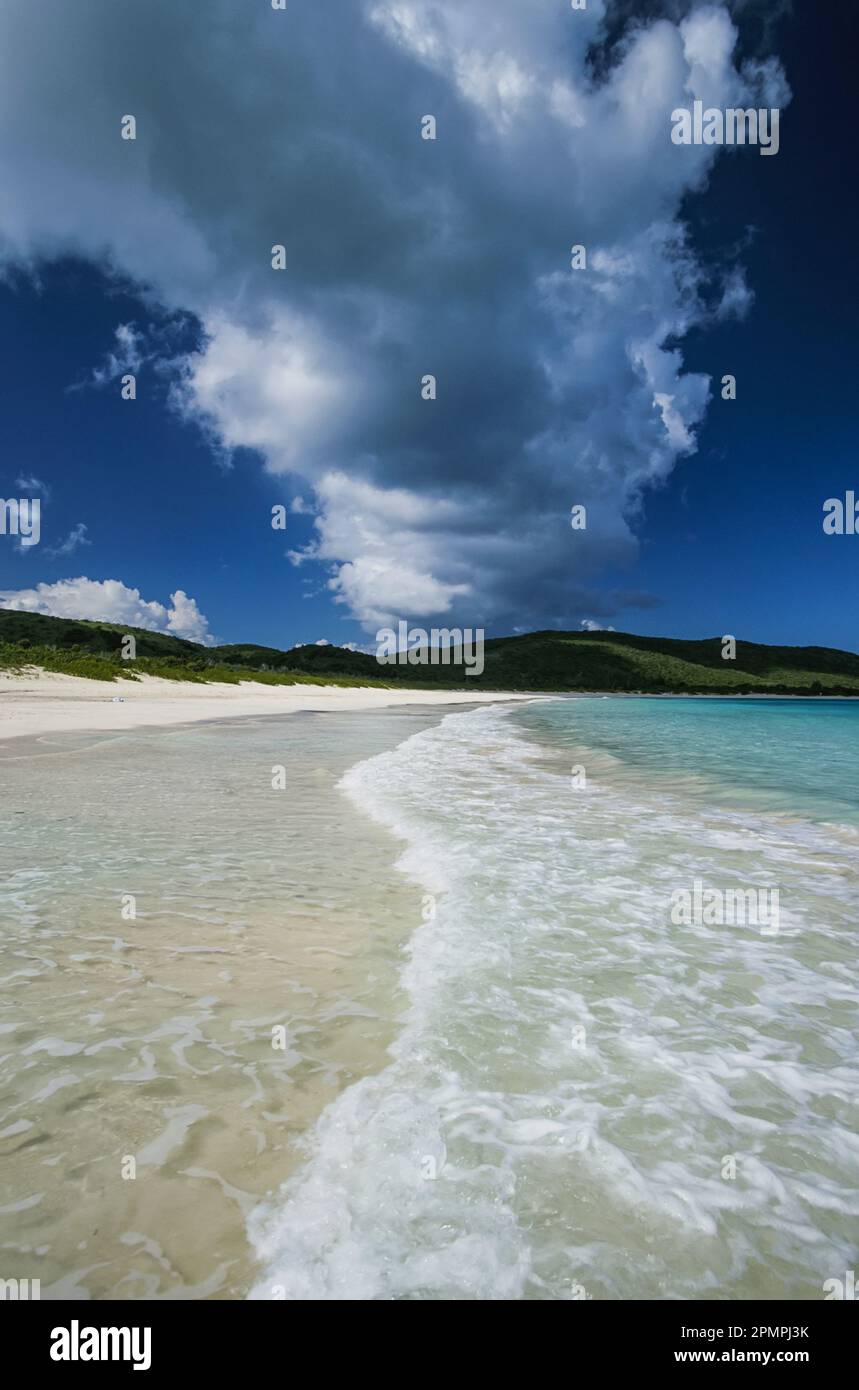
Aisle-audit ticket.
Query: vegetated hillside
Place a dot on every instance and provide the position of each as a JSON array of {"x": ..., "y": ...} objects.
[
  {"x": 624, "y": 662},
  {"x": 36, "y": 630},
  {"x": 81, "y": 648},
  {"x": 562, "y": 661}
]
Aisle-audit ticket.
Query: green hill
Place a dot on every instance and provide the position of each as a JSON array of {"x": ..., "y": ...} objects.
[{"x": 542, "y": 661}]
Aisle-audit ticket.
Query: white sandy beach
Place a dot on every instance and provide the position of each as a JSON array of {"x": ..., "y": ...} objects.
[{"x": 45, "y": 702}]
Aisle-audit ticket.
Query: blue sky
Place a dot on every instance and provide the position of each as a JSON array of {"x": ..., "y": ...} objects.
[{"x": 404, "y": 257}]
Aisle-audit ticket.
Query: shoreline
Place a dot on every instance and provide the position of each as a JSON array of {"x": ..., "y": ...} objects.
[
  {"x": 253, "y": 909},
  {"x": 42, "y": 702},
  {"x": 518, "y": 929},
  {"x": 46, "y": 702}
]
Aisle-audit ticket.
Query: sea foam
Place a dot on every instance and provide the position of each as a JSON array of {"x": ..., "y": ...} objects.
[{"x": 584, "y": 1099}]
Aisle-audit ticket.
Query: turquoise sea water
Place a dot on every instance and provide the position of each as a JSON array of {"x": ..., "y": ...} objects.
[
  {"x": 800, "y": 756},
  {"x": 588, "y": 1098}
]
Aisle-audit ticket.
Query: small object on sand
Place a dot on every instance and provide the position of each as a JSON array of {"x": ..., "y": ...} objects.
[{"x": 117, "y": 700}]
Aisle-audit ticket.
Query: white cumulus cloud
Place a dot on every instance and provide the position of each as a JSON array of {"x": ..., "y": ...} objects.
[{"x": 111, "y": 601}]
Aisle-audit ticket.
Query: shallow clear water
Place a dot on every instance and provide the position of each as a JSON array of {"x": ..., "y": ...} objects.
[
  {"x": 588, "y": 1098},
  {"x": 151, "y": 1038}
]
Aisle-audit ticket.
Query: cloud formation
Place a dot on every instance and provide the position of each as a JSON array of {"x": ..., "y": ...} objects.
[
  {"x": 76, "y": 537},
  {"x": 404, "y": 258},
  {"x": 110, "y": 601}
]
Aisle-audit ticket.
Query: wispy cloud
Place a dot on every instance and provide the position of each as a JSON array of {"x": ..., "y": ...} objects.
[
  {"x": 33, "y": 486},
  {"x": 76, "y": 538}
]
